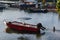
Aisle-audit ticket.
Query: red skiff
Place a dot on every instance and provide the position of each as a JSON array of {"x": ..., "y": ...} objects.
[{"x": 23, "y": 27}]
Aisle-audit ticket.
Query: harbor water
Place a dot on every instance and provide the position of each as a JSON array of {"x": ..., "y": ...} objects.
[{"x": 48, "y": 20}]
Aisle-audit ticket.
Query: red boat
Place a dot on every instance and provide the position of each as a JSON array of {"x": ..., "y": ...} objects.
[{"x": 24, "y": 27}]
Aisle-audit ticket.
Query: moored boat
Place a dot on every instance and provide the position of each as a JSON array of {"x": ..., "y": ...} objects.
[
  {"x": 37, "y": 10},
  {"x": 25, "y": 6},
  {"x": 3, "y": 6},
  {"x": 24, "y": 27}
]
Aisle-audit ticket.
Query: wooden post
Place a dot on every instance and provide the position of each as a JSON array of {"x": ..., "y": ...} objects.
[{"x": 54, "y": 29}]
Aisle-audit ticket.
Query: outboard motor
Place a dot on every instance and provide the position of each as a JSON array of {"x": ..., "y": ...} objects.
[
  {"x": 39, "y": 26},
  {"x": 9, "y": 22}
]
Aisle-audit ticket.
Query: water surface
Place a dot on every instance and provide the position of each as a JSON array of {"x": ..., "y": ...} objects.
[{"x": 48, "y": 20}]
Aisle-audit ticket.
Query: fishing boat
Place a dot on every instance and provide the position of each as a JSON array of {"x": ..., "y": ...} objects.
[{"x": 25, "y": 27}]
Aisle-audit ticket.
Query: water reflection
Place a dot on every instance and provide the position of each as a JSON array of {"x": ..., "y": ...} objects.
[
  {"x": 23, "y": 38},
  {"x": 25, "y": 18},
  {"x": 59, "y": 16},
  {"x": 8, "y": 30},
  {"x": 1, "y": 10}
]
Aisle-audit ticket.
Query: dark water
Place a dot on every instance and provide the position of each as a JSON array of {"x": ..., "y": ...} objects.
[{"x": 48, "y": 20}]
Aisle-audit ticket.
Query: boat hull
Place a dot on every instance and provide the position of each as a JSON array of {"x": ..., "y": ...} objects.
[
  {"x": 37, "y": 11},
  {"x": 23, "y": 28}
]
